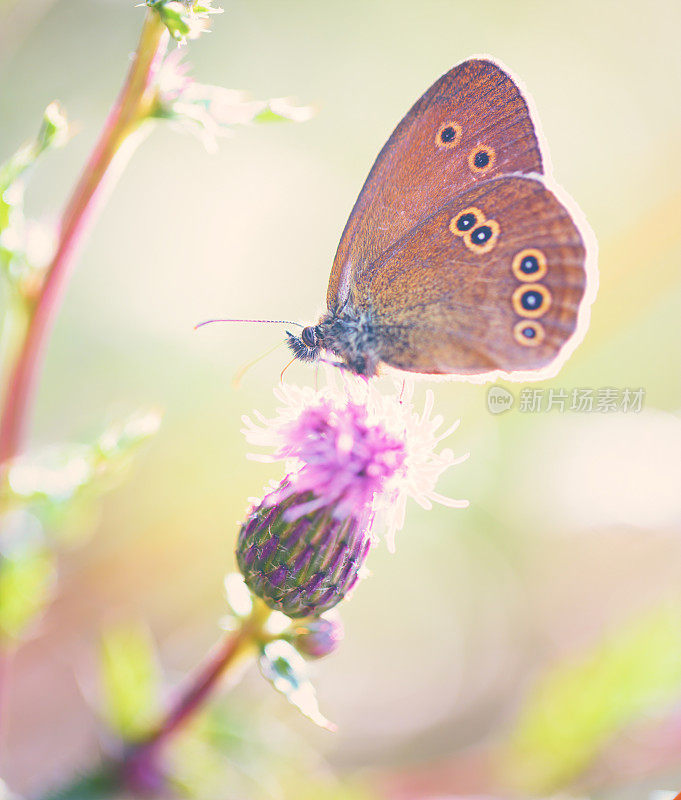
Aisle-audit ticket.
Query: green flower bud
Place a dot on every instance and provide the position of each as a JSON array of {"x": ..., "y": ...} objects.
[{"x": 302, "y": 567}]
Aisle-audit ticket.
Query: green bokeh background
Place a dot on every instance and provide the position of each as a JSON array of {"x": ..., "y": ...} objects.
[{"x": 573, "y": 527}]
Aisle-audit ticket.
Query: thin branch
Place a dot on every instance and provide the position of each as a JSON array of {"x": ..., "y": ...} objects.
[
  {"x": 141, "y": 768},
  {"x": 106, "y": 161}
]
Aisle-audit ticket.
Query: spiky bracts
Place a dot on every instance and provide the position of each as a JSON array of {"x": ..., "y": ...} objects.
[{"x": 302, "y": 568}]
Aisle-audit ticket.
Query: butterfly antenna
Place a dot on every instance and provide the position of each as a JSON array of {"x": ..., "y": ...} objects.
[
  {"x": 281, "y": 375},
  {"x": 270, "y": 321},
  {"x": 243, "y": 369}
]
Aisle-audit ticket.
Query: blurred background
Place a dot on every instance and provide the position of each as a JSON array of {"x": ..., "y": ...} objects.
[{"x": 499, "y": 649}]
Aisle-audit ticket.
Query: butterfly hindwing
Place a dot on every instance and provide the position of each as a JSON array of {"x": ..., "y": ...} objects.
[
  {"x": 473, "y": 124},
  {"x": 492, "y": 281}
]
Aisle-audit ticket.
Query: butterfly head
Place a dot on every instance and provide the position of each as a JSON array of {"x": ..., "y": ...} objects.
[
  {"x": 307, "y": 346},
  {"x": 347, "y": 334}
]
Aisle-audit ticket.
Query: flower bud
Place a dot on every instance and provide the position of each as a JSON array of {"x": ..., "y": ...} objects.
[
  {"x": 306, "y": 566},
  {"x": 317, "y": 638}
]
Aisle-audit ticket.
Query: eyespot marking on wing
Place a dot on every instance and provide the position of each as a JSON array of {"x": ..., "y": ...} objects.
[
  {"x": 531, "y": 300},
  {"x": 449, "y": 135},
  {"x": 481, "y": 159},
  {"x": 466, "y": 220},
  {"x": 528, "y": 332},
  {"x": 482, "y": 238},
  {"x": 529, "y": 265}
]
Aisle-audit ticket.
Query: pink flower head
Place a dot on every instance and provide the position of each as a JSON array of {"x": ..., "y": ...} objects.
[
  {"x": 354, "y": 451},
  {"x": 345, "y": 461}
]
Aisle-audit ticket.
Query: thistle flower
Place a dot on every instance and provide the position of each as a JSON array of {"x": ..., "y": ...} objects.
[{"x": 352, "y": 458}]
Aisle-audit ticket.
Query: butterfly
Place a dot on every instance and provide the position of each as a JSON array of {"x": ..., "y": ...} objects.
[{"x": 461, "y": 256}]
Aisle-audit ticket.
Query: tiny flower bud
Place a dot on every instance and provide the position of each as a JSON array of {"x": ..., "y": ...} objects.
[
  {"x": 304, "y": 567},
  {"x": 54, "y": 130},
  {"x": 317, "y": 638},
  {"x": 185, "y": 19}
]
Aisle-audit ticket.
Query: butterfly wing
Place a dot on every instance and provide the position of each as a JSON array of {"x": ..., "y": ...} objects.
[
  {"x": 473, "y": 124},
  {"x": 494, "y": 281}
]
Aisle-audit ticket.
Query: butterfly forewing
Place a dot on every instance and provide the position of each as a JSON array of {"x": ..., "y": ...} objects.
[
  {"x": 501, "y": 293},
  {"x": 473, "y": 124}
]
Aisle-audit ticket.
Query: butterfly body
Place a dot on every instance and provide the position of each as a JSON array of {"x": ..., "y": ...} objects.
[
  {"x": 350, "y": 334},
  {"x": 461, "y": 256}
]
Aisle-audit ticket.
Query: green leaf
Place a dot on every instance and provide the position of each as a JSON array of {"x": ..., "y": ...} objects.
[
  {"x": 578, "y": 706},
  {"x": 26, "y": 580},
  {"x": 316, "y": 788},
  {"x": 286, "y": 670},
  {"x": 97, "y": 785},
  {"x": 53, "y": 132},
  {"x": 185, "y": 19},
  {"x": 120, "y": 441},
  {"x": 54, "y": 129},
  {"x": 61, "y": 484},
  {"x": 212, "y": 111},
  {"x": 130, "y": 680},
  {"x": 283, "y": 109},
  {"x": 19, "y": 255}
]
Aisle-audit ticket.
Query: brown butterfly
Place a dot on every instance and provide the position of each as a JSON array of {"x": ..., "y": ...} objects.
[{"x": 461, "y": 256}]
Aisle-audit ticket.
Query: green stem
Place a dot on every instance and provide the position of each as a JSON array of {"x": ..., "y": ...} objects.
[
  {"x": 105, "y": 163},
  {"x": 95, "y": 785}
]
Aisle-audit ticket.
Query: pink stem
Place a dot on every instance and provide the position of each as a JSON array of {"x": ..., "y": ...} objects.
[
  {"x": 5, "y": 663},
  {"x": 133, "y": 104},
  {"x": 202, "y": 684},
  {"x": 140, "y": 769}
]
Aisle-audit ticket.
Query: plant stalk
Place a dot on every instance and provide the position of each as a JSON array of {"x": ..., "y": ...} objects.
[
  {"x": 109, "y": 156},
  {"x": 5, "y": 664},
  {"x": 141, "y": 767},
  {"x": 140, "y": 770}
]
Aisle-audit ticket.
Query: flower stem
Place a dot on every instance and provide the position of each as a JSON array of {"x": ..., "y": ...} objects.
[
  {"x": 141, "y": 767},
  {"x": 5, "y": 664},
  {"x": 104, "y": 165}
]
